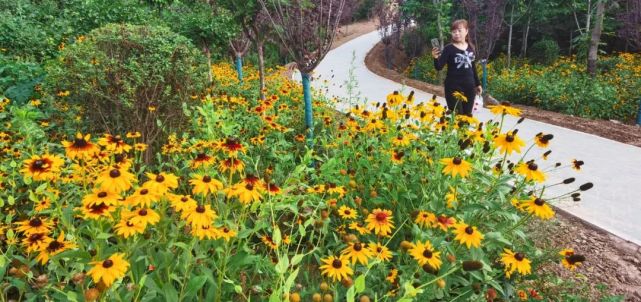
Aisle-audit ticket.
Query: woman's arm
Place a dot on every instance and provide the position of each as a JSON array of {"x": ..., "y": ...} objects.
[{"x": 441, "y": 61}]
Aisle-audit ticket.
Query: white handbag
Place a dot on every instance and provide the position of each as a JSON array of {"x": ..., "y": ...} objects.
[{"x": 478, "y": 103}]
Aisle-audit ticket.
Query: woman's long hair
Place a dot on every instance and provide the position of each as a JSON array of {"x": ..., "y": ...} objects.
[{"x": 462, "y": 22}]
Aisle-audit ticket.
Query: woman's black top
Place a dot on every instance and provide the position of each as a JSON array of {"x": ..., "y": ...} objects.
[{"x": 460, "y": 65}]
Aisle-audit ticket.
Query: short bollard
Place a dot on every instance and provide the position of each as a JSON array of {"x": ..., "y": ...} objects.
[{"x": 639, "y": 114}]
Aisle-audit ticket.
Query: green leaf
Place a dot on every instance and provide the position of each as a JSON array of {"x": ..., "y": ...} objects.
[
  {"x": 170, "y": 293},
  {"x": 281, "y": 266},
  {"x": 194, "y": 285},
  {"x": 277, "y": 236},
  {"x": 297, "y": 258},
  {"x": 290, "y": 280},
  {"x": 359, "y": 284},
  {"x": 350, "y": 294}
]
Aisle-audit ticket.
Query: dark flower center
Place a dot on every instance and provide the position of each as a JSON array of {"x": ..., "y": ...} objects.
[
  {"x": 201, "y": 156},
  {"x": 532, "y": 166},
  {"x": 427, "y": 253},
  {"x": 539, "y": 202},
  {"x": 206, "y": 178},
  {"x": 39, "y": 163},
  {"x": 142, "y": 212},
  {"x": 381, "y": 217},
  {"x": 160, "y": 178},
  {"x": 469, "y": 230},
  {"x": 36, "y": 237},
  {"x": 225, "y": 230},
  {"x": 144, "y": 192},
  {"x": 379, "y": 249},
  {"x": 457, "y": 161},
  {"x": 54, "y": 246},
  {"x": 200, "y": 209},
  {"x": 509, "y": 138},
  {"x": 347, "y": 212},
  {"x": 107, "y": 263},
  {"x": 130, "y": 224},
  {"x": 337, "y": 264},
  {"x": 115, "y": 173},
  {"x": 357, "y": 247},
  {"x": 249, "y": 187},
  {"x": 36, "y": 222},
  {"x": 519, "y": 256},
  {"x": 102, "y": 194},
  {"x": 184, "y": 199},
  {"x": 80, "y": 143}
]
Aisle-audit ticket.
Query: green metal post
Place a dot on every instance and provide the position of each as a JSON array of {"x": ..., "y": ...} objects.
[
  {"x": 239, "y": 68},
  {"x": 307, "y": 96}
]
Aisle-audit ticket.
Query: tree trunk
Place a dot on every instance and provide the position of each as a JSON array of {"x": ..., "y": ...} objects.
[
  {"x": 596, "y": 38},
  {"x": 526, "y": 32},
  {"x": 210, "y": 75},
  {"x": 587, "y": 21},
  {"x": 509, "y": 39},
  {"x": 441, "y": 37},
  {"x": 261, "y": 68}
]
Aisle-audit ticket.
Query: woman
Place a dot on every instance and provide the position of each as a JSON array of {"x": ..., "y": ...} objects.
[{"x": 461, "y": 69}]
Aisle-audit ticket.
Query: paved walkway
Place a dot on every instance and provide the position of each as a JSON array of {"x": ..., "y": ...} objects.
[{"x": 614, "y": 204}]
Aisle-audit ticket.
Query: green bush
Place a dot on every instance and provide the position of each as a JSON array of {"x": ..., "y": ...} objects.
[
  {"x": 129, "y": 78},
  {"x": 545, "y": 52},
  {"x": 18, "y": 79}
]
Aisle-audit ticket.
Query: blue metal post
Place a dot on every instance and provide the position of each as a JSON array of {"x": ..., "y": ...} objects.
[
  {"x": 484, "y": 65},
  {"x": 239, "y": 68},
  {"x": 307, "y": 96},
  {"x": 639, "y": 114}
]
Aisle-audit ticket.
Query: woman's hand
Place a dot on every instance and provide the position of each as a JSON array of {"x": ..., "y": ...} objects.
[
  {"x": 436, "y": 53},
  {"x": 479, "y": 90}
]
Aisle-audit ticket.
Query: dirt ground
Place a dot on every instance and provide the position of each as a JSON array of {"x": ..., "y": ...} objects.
[
  {"x": 348, "y": 32},
  {"x": 628, "y": 134}
]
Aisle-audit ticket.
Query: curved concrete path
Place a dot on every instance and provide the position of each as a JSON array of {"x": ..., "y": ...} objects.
[{"x": 614, "y": 204}]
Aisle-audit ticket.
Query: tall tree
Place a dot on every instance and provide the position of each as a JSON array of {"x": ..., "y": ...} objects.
[
  {"x": 239, "y": 46},
  {"x": 631, "y": 24},
  {"x": 486, "y": 23},
  {"x": 595, "y": 38},
  {"x": 387, "y": 12},
  {"x": 307, "y": 30}
]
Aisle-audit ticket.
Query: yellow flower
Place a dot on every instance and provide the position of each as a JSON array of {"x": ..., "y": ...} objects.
[
  {"x": 459, "y": 96},
  {"x": 531, "y": 172},
  {"x": 81, "y": 147},
  {"x": 336, "y": 267},
  {"x": 99, "y": 196},
  {"x": 42, "y": 167},
  {"x": 114, "y": 144},
  {"x": 346, "y": 212},
  {"x": 107, "y": 271},
  {"x": 380, "y": 251},
  {"x": 456, "y": 166},
  {"x": 504, "y": 108},
  {"x": 543, "y": 140},
  {"x": 424, "y": 253},
  {"x": 467, "y": 235},
  {"x": 538, "y": 207},
  {"x": 199, "y": 216},
  {"x": 53, "y": 247},
  {"x": 182, "y": 203},
  {"x": 515, "y": 262},
  {"x": 380, "y": 221},
  {"x": 115, "y": 179},
  {"x": 394, "y": 99},
  {"x": 161, "y": 183},
  {"x": 571, "y": 260},
  {"x": 425, "y": 219},
  {"x": 126, "y": 228},
  {"x": 205, "y": 184},
  {"x": 33, "y": 226},
  {"x": 357, "y": 252},
  {"x": 509, "y": 143},
  {"x": 143, "y": 197},
  {"x": 142, "y": 216}
]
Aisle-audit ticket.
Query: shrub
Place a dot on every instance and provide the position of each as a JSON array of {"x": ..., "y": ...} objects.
[
  {"x": 545, "y": 52},
  {"x": 128, "y": 77}
]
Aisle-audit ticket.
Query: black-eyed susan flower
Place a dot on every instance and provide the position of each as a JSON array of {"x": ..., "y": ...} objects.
[
  {"x": 444, "y": 223},
  {"x": 424, "y": 253},
  {"x": 273, "y": 189},
  {"x": 346, "y": 212},
  {"x": 161, "y": 183},
  {"x": 109, "y": 270},
  {"x": 509, "y": 143},
  {"x": 232, "y": 146},
  {"x": 43, "y": 204},
  {"x": 126, "y": 228},
  {"x": 425, "y": 219},
  {"x": 33, "y": 226},
  {"x": 380, "y": 251},
  {"x": 96, "y": 211},
  {"x": 247, "y": 191},
  {"x": 205, "y": 184},
  {"x": 143, "y": 197},
  {"x": 100, "y": 196},
  {"x": 459, "y": 96},
  {"x": 467, "y": 235},
  {"x": 135, "y": 134},
  {"x": 336, "y": 268},
  {"x": 380, "y": 221},
  {"x": 142, "y": 216},
  {"x": 357, "y": 252},
  {"x": 42, "y": 167},
  {"x": 54, "y": 247},
  {"x": 543, "y": 140},
  {"x": 451, "y": 198},
  {"x": 233, "y": 165},
  {"x": 199, "y": 216},
  {"x": 571, "y": 260},
  {"x": 35, "y": 242},
  {"x": 576, "y": 164},
  {"x": 202, "y": 159},
  {"x": 504, "y": 108},
  {"x": 538, "y": 207},
  {"x": 394, "y": 99},
  {"x": 397, "y": 156},
  {"x": 392, "y": 276},
  {"x": 81, "y": 147},
  {"x": 205, "y": 232},
  {"x": 531, "y": 172},
  {"x": 114, "y": 144},
  {"x": 115, "y": 179},
  {"x": 181, "y": 203},
  {"x": 358, "y": 227},
  {"x": 515, "y": 262},
  {"x": 140, "y": 147},
  {"x": 227, "y": 233},
  {"x": 456, "y": 166}
]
